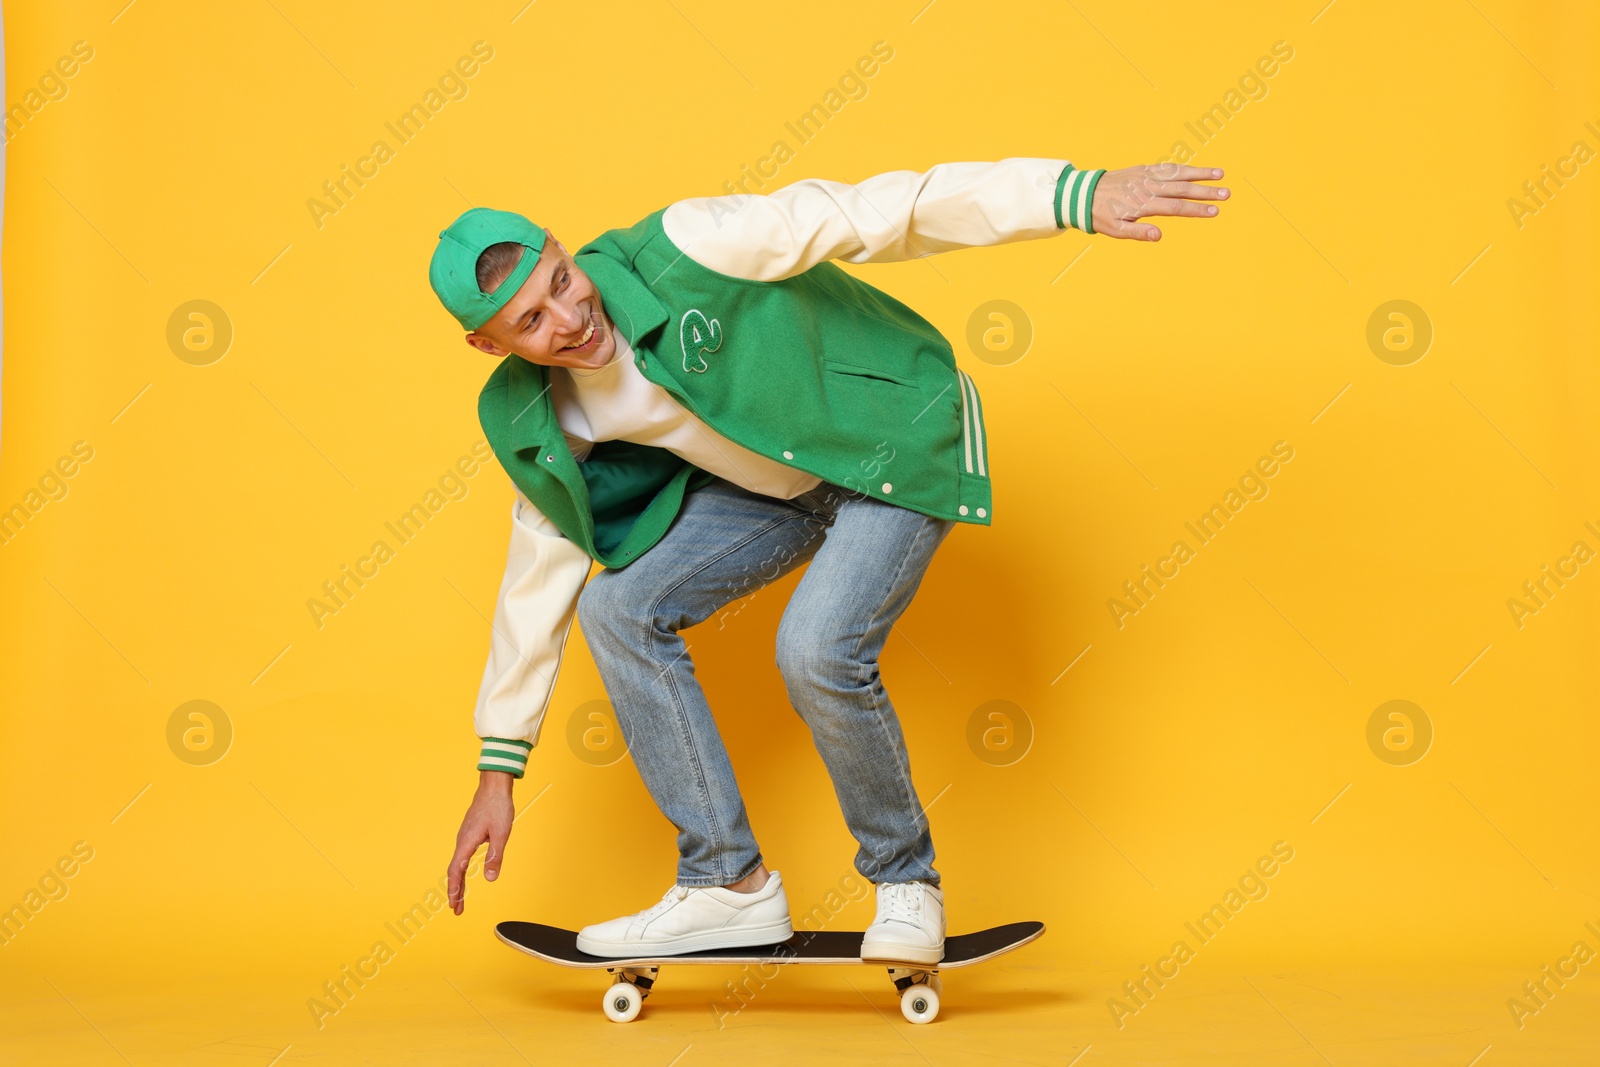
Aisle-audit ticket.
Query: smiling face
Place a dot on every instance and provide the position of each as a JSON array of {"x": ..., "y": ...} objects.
[{"x": 556, "y": 319}]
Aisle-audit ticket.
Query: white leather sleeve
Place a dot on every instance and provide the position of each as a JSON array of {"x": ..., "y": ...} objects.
[
  {"x": 533, "y": 616},
  {"x": 895, "y": 216}
]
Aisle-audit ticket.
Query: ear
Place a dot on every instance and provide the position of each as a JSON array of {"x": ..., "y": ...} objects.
[{"x": 483, "y": 344}]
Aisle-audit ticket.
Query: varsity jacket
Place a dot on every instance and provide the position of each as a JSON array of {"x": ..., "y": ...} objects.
[{"x": 732, "y": 306}]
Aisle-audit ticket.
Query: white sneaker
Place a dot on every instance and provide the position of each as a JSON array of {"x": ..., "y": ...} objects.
[
  {"x": 909, "y": 927},
  {"x": 692, "y": 918}
]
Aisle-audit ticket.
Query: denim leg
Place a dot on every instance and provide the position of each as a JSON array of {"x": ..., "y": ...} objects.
[
  {"x": 859, "y": 583},
  {"x": 726, "y": 543}
]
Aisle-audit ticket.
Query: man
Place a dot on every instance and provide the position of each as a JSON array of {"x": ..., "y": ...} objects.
[{"x": 701, "y": 403}]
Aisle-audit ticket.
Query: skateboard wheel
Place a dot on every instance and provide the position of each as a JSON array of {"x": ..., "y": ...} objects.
[
  {"x": 919, "y": 1003},
  {"x": 623, "y": 1001}
]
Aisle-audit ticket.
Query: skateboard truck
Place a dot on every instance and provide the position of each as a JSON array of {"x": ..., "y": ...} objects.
[
  {"x": 629, "y": 987},
  {"x": 919, "y": 990}
]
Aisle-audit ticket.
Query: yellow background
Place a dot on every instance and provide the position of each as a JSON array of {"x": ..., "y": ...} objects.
[{"x": 1223, "y": 717}]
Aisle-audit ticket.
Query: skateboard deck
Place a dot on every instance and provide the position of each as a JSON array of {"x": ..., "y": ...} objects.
[{"x": 634, "y": 976}]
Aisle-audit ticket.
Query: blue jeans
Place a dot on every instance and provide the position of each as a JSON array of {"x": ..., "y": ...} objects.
[{"x": 867, "y": 559}]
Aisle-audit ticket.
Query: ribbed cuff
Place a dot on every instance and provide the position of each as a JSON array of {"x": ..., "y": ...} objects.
[
  {"x": 502, "y": 755},
  {"x": 1075, "y": 198}
]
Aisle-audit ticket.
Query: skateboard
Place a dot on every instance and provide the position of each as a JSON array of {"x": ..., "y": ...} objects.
[{"x": 633, "y": 977}]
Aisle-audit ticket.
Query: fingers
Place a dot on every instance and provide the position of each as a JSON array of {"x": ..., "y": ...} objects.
[
  {"x": 497, "y": 847},
  {"x": 1161, "y": 179},
  {"x": 1191, "y": 191},
  {"x": 1177, "y": 172},
  {"x": 465, "y": 847},
  {"x": 1162, "y": 205},
  {"x": 1128, "y": 230}
]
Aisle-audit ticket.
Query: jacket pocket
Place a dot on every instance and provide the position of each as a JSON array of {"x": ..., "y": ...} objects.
[{"x": 855, "y": 370}]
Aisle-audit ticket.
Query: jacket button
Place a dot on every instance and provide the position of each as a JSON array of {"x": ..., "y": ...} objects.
[
  {"x": 887, "y": 488},
  {"x": 962, "y": 509},
  {"x": 787, "y": 454},
  {"x": 549, "y": 459},
  {"x": 981, "y": 513}
]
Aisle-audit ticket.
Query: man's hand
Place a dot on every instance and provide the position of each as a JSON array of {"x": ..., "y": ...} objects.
[
  {"x": 488, "y": 819},
  {"x": 1124, "y": 196}
]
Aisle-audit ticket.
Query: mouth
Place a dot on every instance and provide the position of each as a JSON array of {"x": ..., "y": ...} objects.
[{"x": 589, "y": 338}]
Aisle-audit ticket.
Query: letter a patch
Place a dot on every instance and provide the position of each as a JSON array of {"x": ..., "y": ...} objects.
[{"x": 699, "y": 335}]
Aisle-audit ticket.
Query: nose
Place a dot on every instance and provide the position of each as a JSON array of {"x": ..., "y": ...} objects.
[{"x": 573, "y": 319}]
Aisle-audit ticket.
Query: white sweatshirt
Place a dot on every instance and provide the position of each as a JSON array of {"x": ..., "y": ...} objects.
[{"x": 896, "y": 216}]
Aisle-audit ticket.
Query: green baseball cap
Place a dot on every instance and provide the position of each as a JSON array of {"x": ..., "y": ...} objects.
[{"x": 454, "y": 270}]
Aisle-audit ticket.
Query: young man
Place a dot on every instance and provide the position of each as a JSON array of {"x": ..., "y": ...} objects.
[{"x": 701, "y": 403}]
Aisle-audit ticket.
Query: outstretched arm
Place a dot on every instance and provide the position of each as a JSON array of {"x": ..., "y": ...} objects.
[
  {"x": 904, "y": 214},
  {"x": 544, "y": 574}
]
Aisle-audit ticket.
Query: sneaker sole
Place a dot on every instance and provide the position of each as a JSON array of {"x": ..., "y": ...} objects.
[
  {"x": 896, "y": 952},
  {"x": 756, "y": 937}
]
